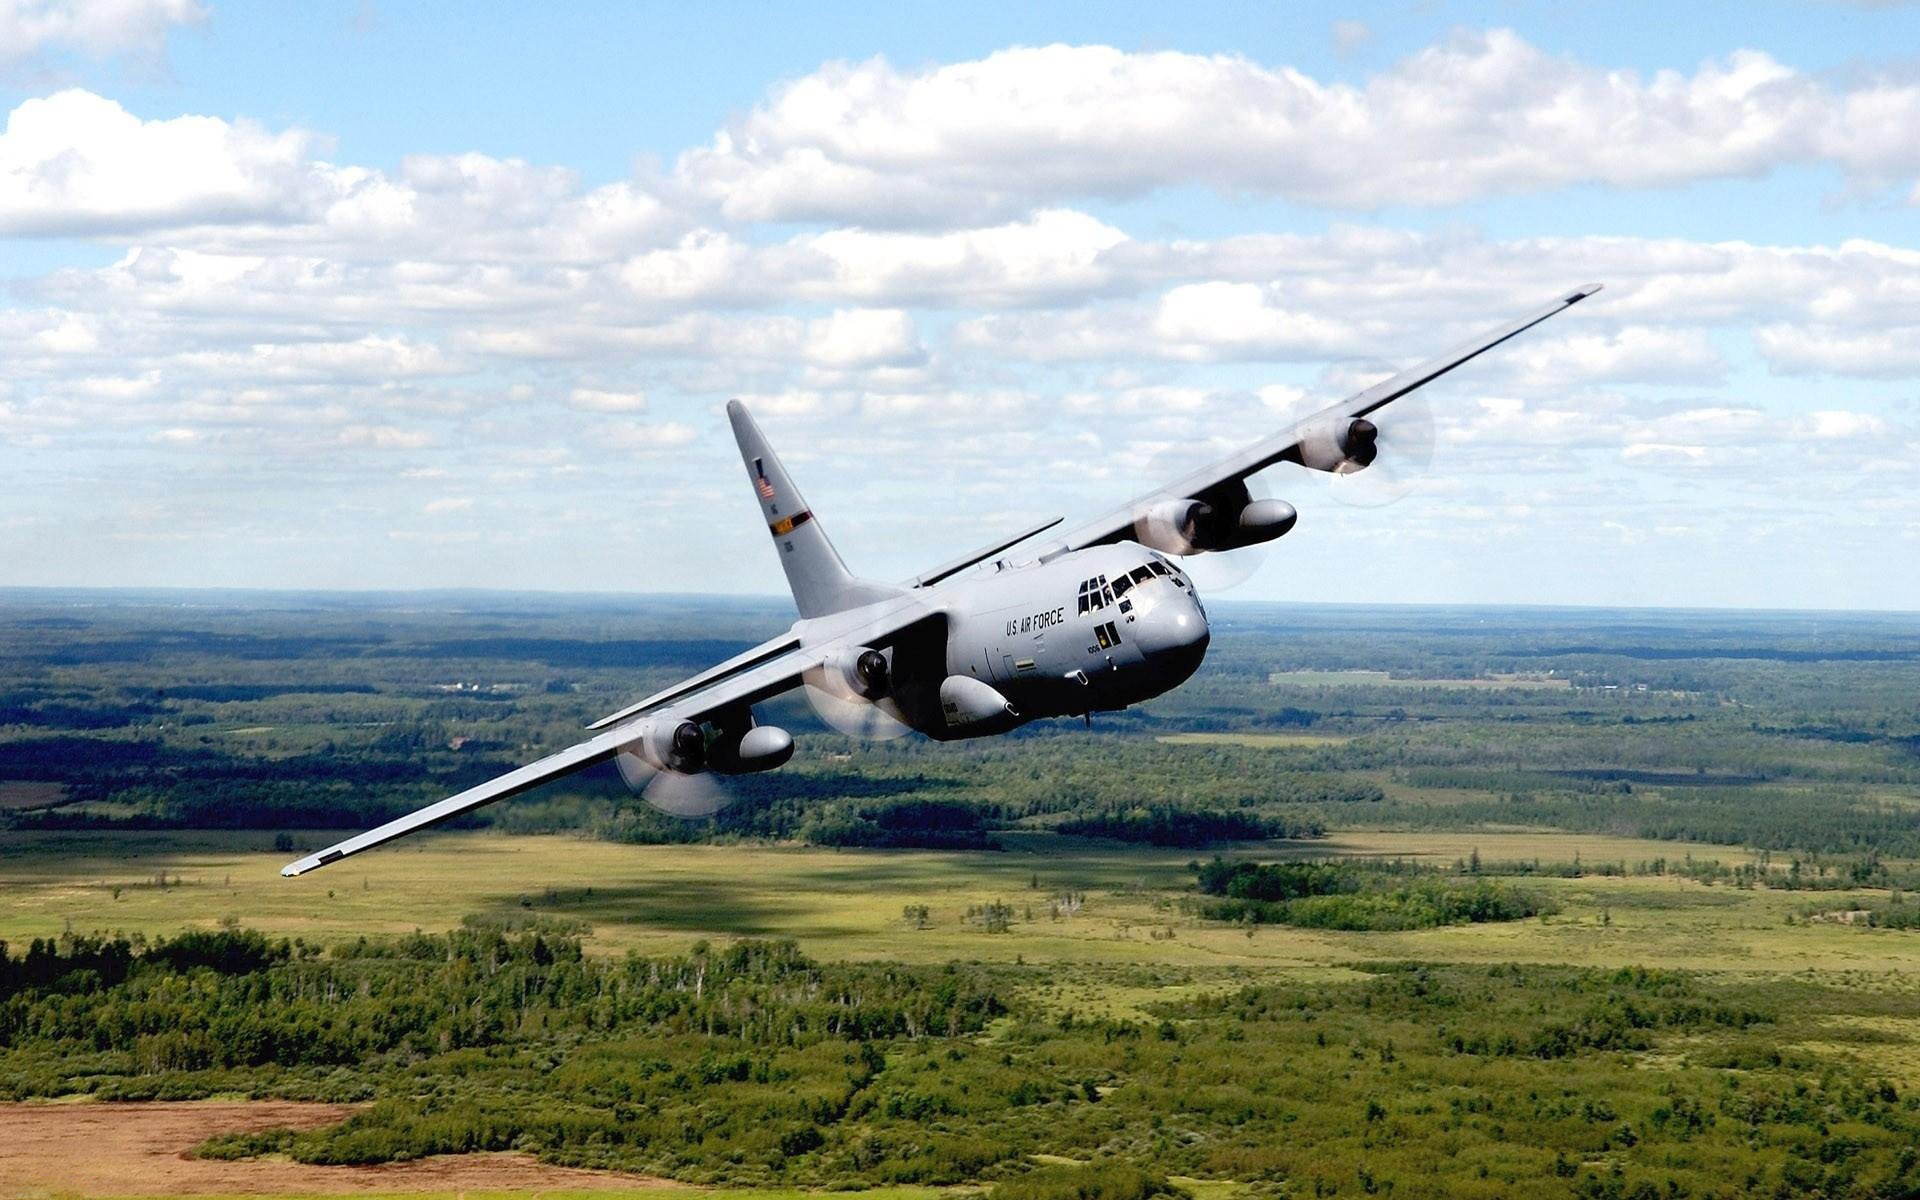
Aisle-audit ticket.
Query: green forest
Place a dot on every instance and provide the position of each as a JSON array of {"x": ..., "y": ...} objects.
[
  {"x": 751, "y": 1064},
  {"x": 1684, "y": 965}
]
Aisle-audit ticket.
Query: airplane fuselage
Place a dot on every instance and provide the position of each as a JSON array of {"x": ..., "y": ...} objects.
[{"x": 1091, "y": 631}]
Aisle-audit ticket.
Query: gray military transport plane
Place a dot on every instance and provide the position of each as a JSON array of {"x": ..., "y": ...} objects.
[{"x": 1093, "y": 620}]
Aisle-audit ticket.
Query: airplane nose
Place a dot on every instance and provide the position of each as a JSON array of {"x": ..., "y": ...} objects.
[{"x": 1175, "y": 635}]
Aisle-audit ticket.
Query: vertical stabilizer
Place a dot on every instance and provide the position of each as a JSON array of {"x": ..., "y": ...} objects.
[{"x": 820, "y": 582}]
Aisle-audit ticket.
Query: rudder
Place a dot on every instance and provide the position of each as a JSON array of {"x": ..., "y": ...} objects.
[{"x": 820, "y": 581}]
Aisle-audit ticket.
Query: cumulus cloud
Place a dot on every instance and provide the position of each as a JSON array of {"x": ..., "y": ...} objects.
[
  {"x": 1817, "y": 350},
  {"x": 468, "y": 317},
  {"x": 1485, "y": 113},
  {"x": 597, "y": 400},
  {"x": 95, "y": 28},
  {"x": 74, "y": 162},
  {"x": 79, "y": 164}
]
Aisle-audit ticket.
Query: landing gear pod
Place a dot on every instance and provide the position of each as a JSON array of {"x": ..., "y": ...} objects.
[
  {"x": 761, "y": 748},
  {"x": 978, "y": 707}
]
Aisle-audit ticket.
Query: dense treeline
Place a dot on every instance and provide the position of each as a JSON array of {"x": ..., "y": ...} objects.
[
  {"x": 750, "y": 1064},
  {"x": 1355, "y": 896},
  {"x": 1792, "y": 734},
  {"x": 206, "y": 1002},
  {"x": 1172, "y": 825}
]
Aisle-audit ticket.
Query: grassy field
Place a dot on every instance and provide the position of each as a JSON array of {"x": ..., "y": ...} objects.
[
  {"x": 1256, "y": 741},
  {"x": 848, "y": 904},
  {"x": 1364, "y": 678}
]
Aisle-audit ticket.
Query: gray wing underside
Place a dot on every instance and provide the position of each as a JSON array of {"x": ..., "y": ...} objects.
[
  {"x": 1118, "y": 525},
  {"x": 767, "y": 670}
]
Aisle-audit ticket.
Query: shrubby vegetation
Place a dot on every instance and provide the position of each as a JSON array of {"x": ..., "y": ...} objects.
[
  {"x": 1173, "y": 825},
  {"x": 1095, "y": 1181},
  {"x": 1358, "y": 896}
]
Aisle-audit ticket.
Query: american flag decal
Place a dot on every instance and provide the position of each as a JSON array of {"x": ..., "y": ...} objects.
[{"x": 760, "y": 479}]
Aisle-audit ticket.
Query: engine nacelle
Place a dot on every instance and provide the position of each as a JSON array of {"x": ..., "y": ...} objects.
[
  {"x": 677, "y": 746},
  {"x": 856, "y": 671},
  {"x": 1183, "y": 526},
  {"x": 761, "y": 748},
  {"x": 1189, "y": 526},
  {"x": 1341, "y": 447}
]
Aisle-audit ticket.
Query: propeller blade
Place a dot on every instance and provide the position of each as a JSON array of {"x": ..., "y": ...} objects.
[
  {"x": 1214, "y": 571},
  {"x": 855, "y": 716},
  {"x": 689, "y": 797},
  {"x": 1404, "y": 459}
]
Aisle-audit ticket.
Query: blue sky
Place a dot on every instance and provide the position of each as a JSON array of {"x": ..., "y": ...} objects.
[{"x": 383, "y": 295}]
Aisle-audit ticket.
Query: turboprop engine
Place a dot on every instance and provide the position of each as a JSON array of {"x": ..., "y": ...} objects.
[
  {"x": 1341, "y": 447},
  {"x": 1192, "y": 526},
  {"x": 670, "y": 762},
  {"x": 856, "y": 671},
  {"x": 677, "y": 746}
]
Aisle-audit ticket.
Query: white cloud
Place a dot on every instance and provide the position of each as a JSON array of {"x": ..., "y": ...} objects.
[
  {"x": 1482, "y": 114},
  {"x": 74, "y": 162},
  {"x": 595, "y": 400},
  {"x": 1817, "y": 350},
  {"x": 78, "y": 164},
  {"x": 96, "y": 28},
  {"x": 383, "y": 437},
  {"x": 374, "y": 357},
  {"x": 1634, "y": 354},
  {"x": 863, "y": 337},
  {"x": 648, "y": 437},
  {"x": 1840, "y": 425}
]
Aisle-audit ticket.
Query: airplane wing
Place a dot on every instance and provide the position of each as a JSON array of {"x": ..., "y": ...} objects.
[
  {"x": 1119, "y": 525},
  {"x": 767, "y": 670}
]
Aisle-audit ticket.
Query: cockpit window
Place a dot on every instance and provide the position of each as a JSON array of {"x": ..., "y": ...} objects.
[
  {"x": 1141, "y": 575},
  {"x": 1157, "y": 567},
  {"x": 1120, "y": 585}
]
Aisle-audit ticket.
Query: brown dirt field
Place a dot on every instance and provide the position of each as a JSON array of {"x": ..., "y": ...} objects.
[{"x": 140, "y": 1150}]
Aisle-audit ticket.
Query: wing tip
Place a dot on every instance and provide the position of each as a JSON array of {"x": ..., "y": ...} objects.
[{"x": 1581, "y": 293}]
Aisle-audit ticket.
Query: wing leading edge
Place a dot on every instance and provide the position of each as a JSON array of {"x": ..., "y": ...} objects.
[{"x": 1118, "y": 525}]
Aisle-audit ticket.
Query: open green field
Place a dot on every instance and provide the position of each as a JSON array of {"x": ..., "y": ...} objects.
[
  {"x": 847, "y": 905},
  {"x": 1365, "y": 678}
]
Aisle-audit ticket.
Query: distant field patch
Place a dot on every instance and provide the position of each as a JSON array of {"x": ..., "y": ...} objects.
[
  {"x": 1256, "y": 741},
  {"x": 1383, "y": 679},
  {"x": 17, "y": 794},
  {"x": 141, "y": 1149}
]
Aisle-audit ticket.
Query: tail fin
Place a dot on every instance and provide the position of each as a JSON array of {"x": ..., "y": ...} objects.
[{"x": 820, "y": 581}]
